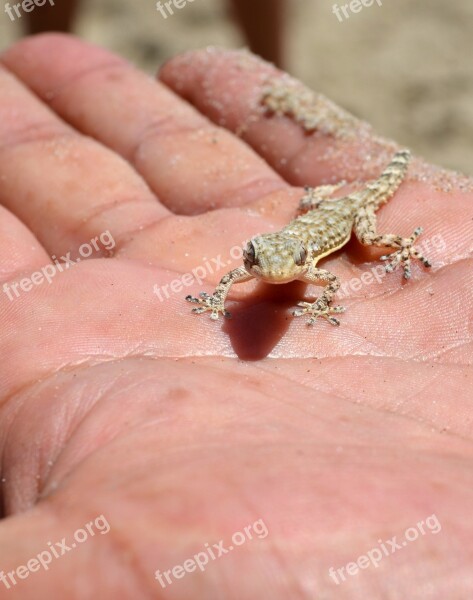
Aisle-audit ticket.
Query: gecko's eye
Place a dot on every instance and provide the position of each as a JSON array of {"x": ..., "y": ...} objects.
[
  {"x": 300, "y": 257},
  {"x": 250, "y": 253}
]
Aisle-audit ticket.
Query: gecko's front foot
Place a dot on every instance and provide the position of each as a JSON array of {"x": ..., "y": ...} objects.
[
  {"x": 209, "y": 303},
  {"x": 319, "y": 308},
  {"x": 406, "y": 252}
]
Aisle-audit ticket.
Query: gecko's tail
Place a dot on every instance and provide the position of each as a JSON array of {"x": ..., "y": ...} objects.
[{"x": 380, "y": 190}]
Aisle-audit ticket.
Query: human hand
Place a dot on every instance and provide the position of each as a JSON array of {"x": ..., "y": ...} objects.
[{"x": 117, "y": 404}]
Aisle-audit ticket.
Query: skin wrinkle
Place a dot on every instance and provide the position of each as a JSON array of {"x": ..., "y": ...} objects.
[
  {"x": 302, "y": 150},
  {"x": 53, "y": 133},
  {"x": 127, "y": 238},
  {"x": 231, "y": 355},
  {"x": 299, "y": 407},
  {"x": 100, "y": 211},
  {"x": 447, "y": 349},
  {"x": 107, "y": 66},
  {"x": 152, "y": 133},
  {"x": 127, "y": 548},
  {"x": 252, "y": 190},
  {"x": 351, "y": 400},
  {"x": 255, "y": 183},
  {"x": 44, "y": 493},
  {"x": 84, "y": 363}
]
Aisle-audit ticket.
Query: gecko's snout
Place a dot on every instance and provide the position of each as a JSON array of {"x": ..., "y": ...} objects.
[{"x": 275, "y": 258}]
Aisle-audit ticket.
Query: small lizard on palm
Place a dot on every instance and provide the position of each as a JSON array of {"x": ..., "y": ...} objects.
[{"x": 293, "y": 253}]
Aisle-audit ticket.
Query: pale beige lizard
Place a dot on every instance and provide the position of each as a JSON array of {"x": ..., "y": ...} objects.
[{"x": 293, "y": 253}]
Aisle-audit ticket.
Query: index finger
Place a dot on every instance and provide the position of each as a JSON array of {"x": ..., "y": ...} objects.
[
  {"x": 305, "y": 137},
  {"x": 275, "y": 114}
]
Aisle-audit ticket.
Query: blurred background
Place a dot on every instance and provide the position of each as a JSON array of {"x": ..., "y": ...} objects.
[{"x": 405, "y": 66}]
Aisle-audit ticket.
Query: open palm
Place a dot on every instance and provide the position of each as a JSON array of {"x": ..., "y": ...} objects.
[{"x": 181, "y": 431}]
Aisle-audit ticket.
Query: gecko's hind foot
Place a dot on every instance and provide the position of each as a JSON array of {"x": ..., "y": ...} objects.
[
  {"x": 208, "y": 303},
  {"x": 319, "y": 308},
  {"x": 404, "y": 254}
]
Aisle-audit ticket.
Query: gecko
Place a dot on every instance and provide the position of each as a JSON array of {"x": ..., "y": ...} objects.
[{"x": 293, "y": 252}]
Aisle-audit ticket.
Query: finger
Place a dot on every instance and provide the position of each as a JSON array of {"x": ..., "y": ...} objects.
[
  {"x": 65, "y": 187},
  {"x": 232, "y": 84},
  {"x": 189, "y": 163}
]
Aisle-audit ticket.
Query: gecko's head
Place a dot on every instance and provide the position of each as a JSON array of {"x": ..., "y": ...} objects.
[{"x": 275, "y": 258}]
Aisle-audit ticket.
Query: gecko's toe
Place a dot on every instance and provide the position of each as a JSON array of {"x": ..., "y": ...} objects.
[{"x": 333, "y": 321}]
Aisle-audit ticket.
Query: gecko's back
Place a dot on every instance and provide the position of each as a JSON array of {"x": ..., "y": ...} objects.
[{"x": 325, "y": 228}]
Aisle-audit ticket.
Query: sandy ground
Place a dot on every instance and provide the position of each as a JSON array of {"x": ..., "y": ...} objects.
[{"x": 405, "y": 66}]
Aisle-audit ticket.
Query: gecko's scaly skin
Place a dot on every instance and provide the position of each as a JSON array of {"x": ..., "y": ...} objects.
[{"x": 293, "y": 253}]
